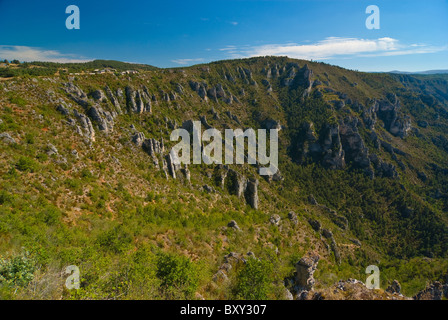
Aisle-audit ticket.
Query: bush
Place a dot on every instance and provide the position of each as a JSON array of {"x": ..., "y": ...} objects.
[
  {"x": 178, "y": 275},
  {"x": 26, "y": 164},
  {"x": 17, "y": 271},
  {"x": 118, "y": 239},
  {"x": 253, "y": 280}
]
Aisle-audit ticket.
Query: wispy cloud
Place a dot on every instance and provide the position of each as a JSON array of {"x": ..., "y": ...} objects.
[
  {"x": 234, "y": 23},
  {"x": 187, "y": 61},
  {"x": 334, "y": 47},
  {"x": 24, "y": 53}
]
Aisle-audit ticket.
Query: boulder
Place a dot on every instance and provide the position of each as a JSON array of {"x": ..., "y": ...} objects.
[
  {"x": 434, "y": 291},
  {"x": 395, "y": 287},
  {"x": 293, "y": 217},
  {"x": 234, "y": 225},
  {"x": 6, "y": 138},
  {"x": 275, "y": 219},
  {"x": 305, "y": 269},
  {"x": 252, "y": 193}
]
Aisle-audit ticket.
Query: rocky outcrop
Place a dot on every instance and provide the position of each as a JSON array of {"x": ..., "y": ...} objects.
[
  {"x": 86, "y": 128},
  {"x": 104, "y": 119},
  {"x": 293, "y": 217},
  {"x": 76, "y": 94},
  {"x": 251, "y": 193},
  {"x": 114, "y": 100},
  {"x": 304, "y": 276},
  {"x": 238, "y": 183},
  {"x": 395, "y": 123},
  {"x": 98, "y": 95},
  {"x": 395, "y": 287},
  {"x": 275, "y": 220},
  {"x": 152, "y": 146},
  {"x": 434, "y": 291},
  {"x": 234, "y": 225},
  {"x": 314, "y": 224},
  {"x": 5, "y": 137},
  {"x": 138, "y": 139}
]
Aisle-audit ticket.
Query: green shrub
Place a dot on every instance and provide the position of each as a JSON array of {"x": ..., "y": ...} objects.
[
  {"x": 26, "y": 164},
  {"x": 18, "y": 101},
  {"x": 178, "y": 275},
  {"x": 17, "y": 271},
  {"x": 253, "y": 280},
  {"x": 118, "y": 239}
]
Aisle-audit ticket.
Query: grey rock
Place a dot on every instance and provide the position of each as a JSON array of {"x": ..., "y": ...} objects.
[
  {"x": 252, "y": 193},
  {"x": 98, "y": 95},
  {"x": 314, "y": 224},
  {"x": 138, "y": 139},
  {"x": 6, "y": 138},
  {"x": 305, "y": 269},
  {"x": 51, "y": 149},
  {"x": 234, "y": 225},
  {"x": 293, "y": 217},
  {"x": 208, "y": 188},
  {"x": 275, "y": 219},
  {"x": 434, "y": 291},
  {"x": 327, "y": 233},
  {"x": 395, "y": 287},
  {"x": 312, "y": 200},
  {"x": 63, "y": 109},
  {"x": 238, "y": 183}
]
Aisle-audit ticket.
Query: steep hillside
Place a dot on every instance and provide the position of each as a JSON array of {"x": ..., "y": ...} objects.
[{"x": 86, "y": 179}]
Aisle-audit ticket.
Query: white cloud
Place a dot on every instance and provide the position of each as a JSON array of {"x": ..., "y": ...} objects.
[
  {"x": 333, "y": 47},
  {"x": 24, "y": 53},
  {"x": 233, "y": 23},
  {"x": 187, "y": 61}
]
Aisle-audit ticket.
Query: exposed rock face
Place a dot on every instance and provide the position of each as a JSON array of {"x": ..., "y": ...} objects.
[
  {"x": 6, "y": 138},
  {"x": 275, "y": 219},
  {"x": 86, "y": 130},
  {"x": 293, "y": 217},
  {"x": 130, "y": 99},
  {"x": 353, "y": 144},
  {"x": 186, "y": 173},
  {"x": 234, "y": 225},
  {"x": 51, "y": 149},
  {"x": 333, "y": 154},
  {"x": 328, "y": 150},
  {"x": 369, "y": 115},
  {"x": 269, "y": 124},
  {"x": 327, "y": 233},
  {"x": 200, "y": 88},
  {"x": 152, "y": 146},
  {"x": 395, "y": 287},
  {"x": 99, "y": 96},
  {"x": 76, "y": 94},
  {"x": 393, "y": 122},
  {"x": 312, "y": 200},
  {"x": 171, "y": 166},
  {"x": 304, "y": 279},
  {"x": 113, "y": 99},
  {"x": 238, "y": 183},
  {"x": 62, "y": 108},
  {"x": 104, "y": 119},
  {"x": 252, "y": 193},
  {"x": 138, "y": 139},
  {"x": 314, "y": 224},
  {"x": 432, "y": 292}
]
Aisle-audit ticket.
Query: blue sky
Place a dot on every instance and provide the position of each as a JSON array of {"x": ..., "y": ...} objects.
[{"x": 413, "y": 35}]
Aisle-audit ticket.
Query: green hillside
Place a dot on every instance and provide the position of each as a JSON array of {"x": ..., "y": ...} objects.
[{"x": 85, "y": 180}]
